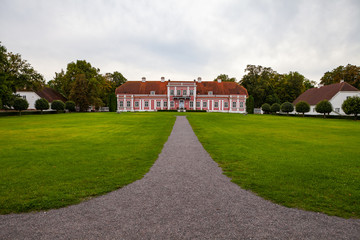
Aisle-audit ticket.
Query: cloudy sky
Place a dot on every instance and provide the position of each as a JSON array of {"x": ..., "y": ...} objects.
[{"x": 183, "y": 39}]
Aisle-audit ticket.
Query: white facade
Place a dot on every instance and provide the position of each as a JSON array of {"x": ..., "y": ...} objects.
[{"x": 30, "y": 96}]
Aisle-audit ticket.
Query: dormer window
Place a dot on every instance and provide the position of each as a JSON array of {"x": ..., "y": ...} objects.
[
  {"x": 210, "y": 93},
  {"x": 152, "y": 92}
]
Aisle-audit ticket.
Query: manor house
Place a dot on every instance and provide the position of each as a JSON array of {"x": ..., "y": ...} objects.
[{"x": 212, "y": 96}]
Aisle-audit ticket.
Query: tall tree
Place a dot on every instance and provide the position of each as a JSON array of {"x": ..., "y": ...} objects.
[
  {"x": 349, "y": 73},
  {"x": 225, "y": 78},
  {"x": 16, "y": 73}
]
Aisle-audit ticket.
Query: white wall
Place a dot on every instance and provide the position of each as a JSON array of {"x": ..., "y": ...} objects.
[
  {"x": 31, "y": 97},
  {"x": 339, "y": 98}
]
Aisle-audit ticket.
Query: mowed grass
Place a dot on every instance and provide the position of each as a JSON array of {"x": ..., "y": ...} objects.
[
  {"x": 306, "y": 163},
  {"x": 52, "y": 161}
]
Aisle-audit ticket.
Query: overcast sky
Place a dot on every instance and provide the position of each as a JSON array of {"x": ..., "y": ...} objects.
[{"x": 182, "y": 40}]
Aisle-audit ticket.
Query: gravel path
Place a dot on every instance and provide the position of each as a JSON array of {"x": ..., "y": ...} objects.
[{"x": 184, "y": 196}]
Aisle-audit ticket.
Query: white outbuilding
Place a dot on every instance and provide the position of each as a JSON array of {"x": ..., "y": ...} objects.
[{"x": 336, "y": 94}]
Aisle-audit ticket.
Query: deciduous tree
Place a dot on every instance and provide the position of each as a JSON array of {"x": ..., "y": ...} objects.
[
  {"x": 225, "y": 78},
  {"x": 349, "y": 73},
  {"x": 20, "y": 104},
  {"x": 287, "y": 107},
  {"x": 266, "y": 108},
  {"x": 324, "y": 107},
  {"x": 275, "y": 108},
  {"x": 250, "y": 105},
  {"x": 302, "y": 107},
  {"x": 57, "y": 105},
  {"x": 352, "y": 106},
  {"x": 41, "y": 104}
]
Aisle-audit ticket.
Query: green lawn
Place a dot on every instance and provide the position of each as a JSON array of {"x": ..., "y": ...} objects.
[
  {"x": 307, "y": 163},
  {"x": 52, "y": 161}
]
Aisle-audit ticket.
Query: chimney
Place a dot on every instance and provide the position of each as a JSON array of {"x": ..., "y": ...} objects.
[
  {"x": 199, "y": 79},
  {"x": 320, "y": 85},
  {"x": 143, "y": 79},
  {"x": 342, "y": 80},
  {"x": 219, "y": 80},
  {"x": 162, "y": 79}
]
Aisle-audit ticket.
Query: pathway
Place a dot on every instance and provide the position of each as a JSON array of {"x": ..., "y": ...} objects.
[{"x": 184, "y": 196}]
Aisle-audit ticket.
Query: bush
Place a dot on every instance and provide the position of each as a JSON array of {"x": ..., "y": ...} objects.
[
  {"x": 324, "y": 107},
  {"x": 250, "y": 105},
  {"x": 351, "y": 106},
  {"x": 275, "y": 108},
  {"x": 57, "y": 105},
  {"x": 287, "y": 107},
  {"x": 41, "y": 104},
  {"x": 70, "y": 105},
  {"x": 302, "y": 107},
  {"x": 112, "y": 103},
  {"x": 20, "y": 104},
  {"x": 266, "y": 108}
]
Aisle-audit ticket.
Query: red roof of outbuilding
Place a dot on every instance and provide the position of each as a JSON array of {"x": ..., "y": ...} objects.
[
  {"x": 139, "y": 87},
  {"x": 50, "y": 94},
  {"x": 314, "y": 95}
]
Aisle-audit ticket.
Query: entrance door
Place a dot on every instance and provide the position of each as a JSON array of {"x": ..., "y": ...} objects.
[{"x": 181, "y": 105}]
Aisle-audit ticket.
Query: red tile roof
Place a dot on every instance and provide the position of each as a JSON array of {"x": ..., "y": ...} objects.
[
  {"x": 50, "y": 94},
  {"x": 139, "y": 87},
  {"x": 314, "y": 95}
]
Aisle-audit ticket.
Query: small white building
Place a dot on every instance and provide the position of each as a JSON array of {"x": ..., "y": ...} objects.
[
  {"x": 48, "y": 93},
  {"x": 336, "y": 94}
]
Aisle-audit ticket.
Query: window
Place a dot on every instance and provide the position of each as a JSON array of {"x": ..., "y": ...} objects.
[
  {"x": 172, "y": 104},
  {"x": 198, "y": 104},
  {"x": 204, "y": 104},
  {"x": 347, "y": 97},
  {"x": 191, "y": 92},
  {"x": 178, "y": 92},
  {"x": 158, "y": 104},
  {"x": 210, "y": 93},
  {"x": 165, "y": 104},
  {"x": 136, "y": 104},
  {"x": 152, "y": 92},
  {"x": 172, "y": 92},
  {"x": 241, "y": 104},
  {"x": 24, "y": 97},
  {"x": 121, "y": 104},
  {"x": 146, "y": 104},
  {"x": 128, "y": 104},
  {"x": 234, "y": 105},
  {"x": 191, "y": 104},
  {"x": 337, "y": 109},
  {"x": 184, "y": 92},
  {"x": 226, "y": 104},
  {"x": 216, "y": 104}
]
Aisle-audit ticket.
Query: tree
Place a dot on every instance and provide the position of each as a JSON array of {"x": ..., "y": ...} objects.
[
  {"x": 349, "y": 73},
  {"x": 250, "y": 105},
  {"x": 275, "y": 108},
  {"x": 266, "y": 108},
  {"x": 16, "y": 73},
  {"x": 57, "y": 105},
  {"x": 287, "y": 107},
  {"x": 20, "y": 104},
  {"x": 112, "y": 102},
  {"x": 80, "y": 91},
  {"x": 324, "y": 107},
  {"x": 225, "y": 78},
  {"x": 302, "y": 107},
  {"x": 41, "y": 104},
  {"x": 70, "y": 106},
  {"x": 352, "y": 106}
]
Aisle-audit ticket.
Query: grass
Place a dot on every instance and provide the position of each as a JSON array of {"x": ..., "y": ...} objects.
[
  {"x": 306, "y": 163},
  {"x": 52, "y": 161}
]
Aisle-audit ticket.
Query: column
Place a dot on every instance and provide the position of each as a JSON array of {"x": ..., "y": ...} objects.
[
  {"x": 212, "y": 105},
  {"x": 132, "y": 102},
  {"x": 201, "y": 104}
]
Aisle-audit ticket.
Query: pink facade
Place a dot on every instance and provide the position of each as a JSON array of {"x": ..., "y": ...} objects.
[{"x": 187, "y": 95}]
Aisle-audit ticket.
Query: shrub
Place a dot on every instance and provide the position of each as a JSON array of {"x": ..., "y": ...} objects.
[
  {"x": 351, "y": 106},
  {"x": 70, "y": 105},
  {"x": 1, "y": 106},
  {"x": 20, "y": 104},
  {"x": 112, "y": 103},
  {"x": 41, "y": 104},
  {"x": 250, "y": 105},
  {"x": 275, "y": 108},
  {"x": 324, "y": 107},
  {"x": 57, "y": 105},
  {"x": 266, "y": 108},
  {"x": 287, "y": 107},
  {"x": 302, "y": 107}
]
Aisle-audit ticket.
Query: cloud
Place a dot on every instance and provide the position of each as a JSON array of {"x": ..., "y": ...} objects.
[{"x": 184, "y": 39}]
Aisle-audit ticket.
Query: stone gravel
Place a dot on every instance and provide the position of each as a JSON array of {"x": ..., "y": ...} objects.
[{"x": 183, "y": 196}]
